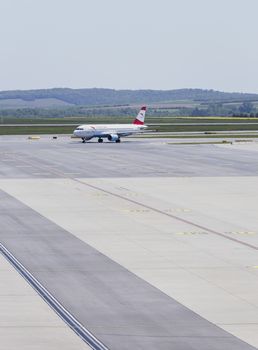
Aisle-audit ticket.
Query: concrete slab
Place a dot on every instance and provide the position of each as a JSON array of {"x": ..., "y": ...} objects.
[
  {"x": 209, "y": 274},
  {"x": 106, "y": 298},
  {"x": 26, "y": 322},
  {"x": 192, "y": 189}
]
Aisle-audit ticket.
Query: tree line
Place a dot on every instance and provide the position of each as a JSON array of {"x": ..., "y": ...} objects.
[
  {"x": 245, "y": 109},
  {"x": 97, "y": 97}
]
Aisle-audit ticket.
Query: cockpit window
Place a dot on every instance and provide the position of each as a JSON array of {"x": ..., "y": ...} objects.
[{"x": 79, "y": 128}]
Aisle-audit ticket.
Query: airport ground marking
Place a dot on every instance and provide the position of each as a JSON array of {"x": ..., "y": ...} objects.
[
  {"x": 72, "y": 174},
  {"x": 203, "y": 228},
  {"x": 136, "y": 210},
  {"x": 59, "y": 309},
  {"x": 191, "y": 233},
  {"x": 131, "y": 200},
  {"x": 246, "y": 233},
  {"x": 42, "y": 174},
  {"x": 178, "y": 210}
]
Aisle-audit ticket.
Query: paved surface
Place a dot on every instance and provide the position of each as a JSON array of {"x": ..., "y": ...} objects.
[
  {"x": 121, "y": 309},
  {"x": 140, "y": 278},
  {"x": 47, "y": 158},
  {"x": 26, "y": 322}
]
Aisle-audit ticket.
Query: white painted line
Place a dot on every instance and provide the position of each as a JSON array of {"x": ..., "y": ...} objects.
[
  {"x": 41, "y": 174},
  {"x": 75, "y": 325}
]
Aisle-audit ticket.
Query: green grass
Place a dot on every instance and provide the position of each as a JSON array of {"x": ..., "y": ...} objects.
[
  {"x": 35, "y": 130},
  {"x": 207, "y": 128},
  {"x": 55, "y": 129},
  {"x": 98, "y": 120}
]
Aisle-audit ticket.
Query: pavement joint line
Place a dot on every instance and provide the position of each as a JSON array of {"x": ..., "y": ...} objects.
[
  {"x": 167, "y": 214},
  {"x": 64, "y": 314},
  {"x": 203, "y": 228}
]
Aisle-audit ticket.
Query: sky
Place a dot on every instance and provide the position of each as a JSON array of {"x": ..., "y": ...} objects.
[{"x": 129, "y": 44}]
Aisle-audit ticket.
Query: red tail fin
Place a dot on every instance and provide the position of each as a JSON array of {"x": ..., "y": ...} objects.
[{"x": 139, "y": 120}]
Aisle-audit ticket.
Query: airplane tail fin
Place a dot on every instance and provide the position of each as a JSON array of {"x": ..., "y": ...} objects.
[{"x": 139, "y": 120}]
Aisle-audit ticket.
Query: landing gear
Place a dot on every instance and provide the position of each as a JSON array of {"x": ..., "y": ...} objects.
[
  {"x": 100, "y": 140},
  {"x": 83, "y": 140},
  {"x": 118, "y": 141}
]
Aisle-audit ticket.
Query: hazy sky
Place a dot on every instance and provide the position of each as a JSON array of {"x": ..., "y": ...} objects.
[{"x": 134, "y": 44}]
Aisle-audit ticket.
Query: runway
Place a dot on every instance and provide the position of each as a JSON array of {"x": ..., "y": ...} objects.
[{"x": 147, "y": 245}]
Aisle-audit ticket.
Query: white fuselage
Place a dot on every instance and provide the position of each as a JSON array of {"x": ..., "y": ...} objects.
[{"x": 111, "y": 131}]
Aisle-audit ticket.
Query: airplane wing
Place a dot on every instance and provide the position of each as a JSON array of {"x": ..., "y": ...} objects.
[{"x": 106, "y": 133}]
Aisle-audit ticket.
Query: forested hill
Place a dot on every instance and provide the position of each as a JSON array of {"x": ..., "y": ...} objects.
[{"x": 98, "y": 97}]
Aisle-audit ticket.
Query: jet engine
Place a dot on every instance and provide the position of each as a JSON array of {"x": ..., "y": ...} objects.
[{"x": 113, "y": 137}]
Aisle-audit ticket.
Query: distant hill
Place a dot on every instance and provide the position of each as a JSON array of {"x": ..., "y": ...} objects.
[
  {"x": 59, "y": 103},
  {"x": 64, "y": 97}
]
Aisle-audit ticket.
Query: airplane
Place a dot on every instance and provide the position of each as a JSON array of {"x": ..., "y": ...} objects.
[{"x": 112, "y": 132}]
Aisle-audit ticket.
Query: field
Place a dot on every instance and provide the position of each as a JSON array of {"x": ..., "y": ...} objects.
[{"x": 17, "y": 126}]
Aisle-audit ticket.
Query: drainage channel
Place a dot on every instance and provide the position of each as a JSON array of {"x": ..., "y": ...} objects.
[{"x": 64, "y": 314}]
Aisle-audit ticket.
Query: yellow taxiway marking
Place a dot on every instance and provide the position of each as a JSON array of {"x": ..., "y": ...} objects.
[
  {"x": 136, "y": 210},
  {"x": 178, "y": 210},
  {"x": 99, "y": 194},
  {"x": 188, "y": 233},
  {"x": 34, "y": 138},
  {"x": 242, "y": 233},
  {"x": 173, "y": 210},
  {"x": 131, "y": 194}
]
